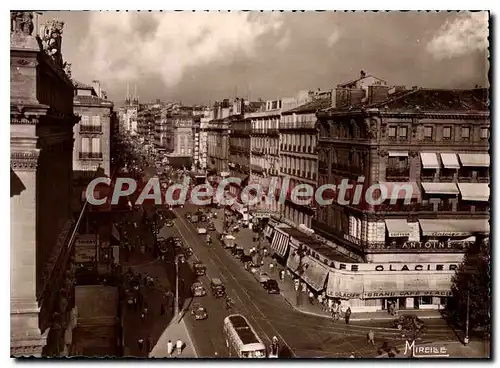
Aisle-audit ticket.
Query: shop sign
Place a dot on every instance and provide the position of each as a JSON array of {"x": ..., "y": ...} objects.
[
  {"x": 85, "y": 253},
  {"x": 344, "y": 295},
  {"x": 445, "y": 233},
  {"x": 434, "y": 244},
  {"x": 399, "y": 235},
  {"x": 399, "y": 294},
  {"x": 418, "y": 267}
]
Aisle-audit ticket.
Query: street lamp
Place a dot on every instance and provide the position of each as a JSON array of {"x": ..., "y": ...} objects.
[
  {"x": 301, "y": 252},
  {"x": 178, "y": 258},
  {"x": 466, "y": 338}
]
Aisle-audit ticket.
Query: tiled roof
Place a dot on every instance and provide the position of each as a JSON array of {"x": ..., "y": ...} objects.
[
  {"x": 80, "y": 85},
  {"x": 438, "y": 99},
  {"x": 312, "y": 106},
  {"x": 91, "y": 100}
]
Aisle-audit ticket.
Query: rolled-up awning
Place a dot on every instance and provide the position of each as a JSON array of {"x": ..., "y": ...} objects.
[
  {"x": 475, "y": 191},
  {"x": 450, "y": 160},
  {"x": 474, "y": 159},
  {"x": 453, "y": 227},
  {"x": 398, "y": 228},
  {"x": 440, "y": 188},
  {"x": 398, "y": 154},
  {"x": 429, "y": 160}
]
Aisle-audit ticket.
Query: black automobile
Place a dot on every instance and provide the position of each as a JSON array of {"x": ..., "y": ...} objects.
[
  {"x": 238, "y": 252},
  {"x": 211, "y": 227},
  {"x": 199, "y": 269},
  {"x": 188, "y": 251},
  {"x": 169, "y": 223},
  {"x": 187, "y": 215},
  {"x": 203, "y": 218},
  {"x": 244, "y": 258},
  {"x": 271, "y": 286},
  {"x": 408, "y": 322}
]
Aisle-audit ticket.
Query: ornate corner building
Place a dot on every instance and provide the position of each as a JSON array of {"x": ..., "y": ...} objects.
[{"x": 41, "y": 125}]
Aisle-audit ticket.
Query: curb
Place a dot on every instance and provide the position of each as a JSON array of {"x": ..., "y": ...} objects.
[{"x": 189, "y": 337}]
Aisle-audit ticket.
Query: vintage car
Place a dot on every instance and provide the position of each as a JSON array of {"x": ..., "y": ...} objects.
[
  {"x": 188, "y": 251},
  {"x": 197, "y": 289},
  {"x": 408, "y": 322},
  {"x": 198, "y": 312},
  {"x": 217, "y": 287},
  {"x": 169, "y": 223},
  {"x": 228, "y": 241},
  {"x": 211, "y": 227},
  {"x": 263, "y": 277},
  {"x": 199, "y": 269},
  {"x": 188, "y": 215},
  {"x": 238, "y": 252},
  {"x": 201, "y": 231},
  {"x": 271, "y": 286}
]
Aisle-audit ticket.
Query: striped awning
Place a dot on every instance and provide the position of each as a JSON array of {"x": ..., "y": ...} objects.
[
  {"x": 268, "y": 231},
  {"x": 280, "y": 242}
]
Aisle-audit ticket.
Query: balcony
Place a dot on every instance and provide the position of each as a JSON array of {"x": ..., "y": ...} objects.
[
  {"x": 395, "y": 174},
  {"x": 90, "y": 155},
  {"x": 298, "y": 125},
  {"x": 92, "y": 129}
]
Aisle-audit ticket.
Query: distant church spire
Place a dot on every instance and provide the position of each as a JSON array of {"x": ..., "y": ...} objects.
[{"x": 127, "y": 98}]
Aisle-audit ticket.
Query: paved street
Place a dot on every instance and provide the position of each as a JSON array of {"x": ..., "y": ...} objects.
[{"x": 272, "y": 315}]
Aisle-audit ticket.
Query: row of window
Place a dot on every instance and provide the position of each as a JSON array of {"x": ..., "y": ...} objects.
[
  {"x": 299, "y": 140},
  {"x": 401, "y": 132}
]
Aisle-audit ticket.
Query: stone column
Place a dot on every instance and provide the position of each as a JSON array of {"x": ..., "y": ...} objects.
[{"x": 26, "y": 338}]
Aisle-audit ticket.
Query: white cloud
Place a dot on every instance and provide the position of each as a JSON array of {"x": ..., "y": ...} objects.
[
  {"x": 332, "y": 39},
  {"x": 467, "y": 33},
  {"x": 119, "y": 47}
]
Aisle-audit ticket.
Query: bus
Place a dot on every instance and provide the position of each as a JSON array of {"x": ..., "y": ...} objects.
[{"x": 241, "y": 339}]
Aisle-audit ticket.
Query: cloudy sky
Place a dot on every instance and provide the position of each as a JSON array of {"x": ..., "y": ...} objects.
[{"x": 195, "y": 57}]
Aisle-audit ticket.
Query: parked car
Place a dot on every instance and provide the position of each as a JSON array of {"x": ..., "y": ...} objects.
[
  {"x": 408, "y": 322},
  {"x": 245, "y": 258},
  {"x": 169, "y": 223},
  {"x": 211, "y": 227},
  {"x": 197, "y": 289},
  {"x": 188, "y": 215},
  {"x": 272, "y": 286},
  {"x": 263, "y": 277},
  {"x": 194, "y": 219},
  {"x": 201, "y": 231},
  {"x": 198, "y": 312},
  {"x": 238, "y": 252},
  {"x": 188, "y": 251},
  {"x": 199, "y": 268}
]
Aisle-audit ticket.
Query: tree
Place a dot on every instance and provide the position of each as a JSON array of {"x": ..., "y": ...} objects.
[{"x": 473, "y": 277}]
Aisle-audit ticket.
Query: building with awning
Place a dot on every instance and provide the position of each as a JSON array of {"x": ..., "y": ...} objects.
[
  {"x": 474, "y": 159},
  {"x": 429, "y": 160},
  {"x": 280, "y": 242},
  {"x": 312, "y": 272},
  {"x": 398, "y": 228},
  {"x": 399, "y": 190},
  {"x": 453, "y": 227},
  {"x": 479, "y": 192},
  {"x": 450, "y": 160},
  {"x": 440, "y": 188}
]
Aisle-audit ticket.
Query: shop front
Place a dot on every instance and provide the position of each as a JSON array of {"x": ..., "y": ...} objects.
[
  {"x": 312, "y": 272},
  {"x": 280, "y": 242}
]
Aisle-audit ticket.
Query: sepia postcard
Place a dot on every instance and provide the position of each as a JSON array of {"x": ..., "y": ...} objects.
[{"x": 250, "y": 184}]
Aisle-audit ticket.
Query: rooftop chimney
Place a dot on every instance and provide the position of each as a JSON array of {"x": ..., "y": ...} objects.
[
  {"x": 362, "y": 74},
  {"x": 97, "y": 87}
]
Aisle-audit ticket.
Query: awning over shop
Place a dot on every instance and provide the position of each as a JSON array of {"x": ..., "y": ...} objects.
[
  {"x": 313, "y": 273},
  {"x": 475, "y": 191},
  {"x": 453, "y": 227},
  {"x": 380, "y": 286},
  {"x": 398, "y": 154},
  {"x": 429, "y": 160},
  {"x": 440, "y": 188},
  {"x": 280, "y": 242},
  {"x": 268, "y": 231},
  {"x": 344, "y": 285},
  {"x": 397, "y": 190},
  {"x": 398, "y": 228},
  {"x": 450, "y": 160},
  {"x": 475, "y": 159}
]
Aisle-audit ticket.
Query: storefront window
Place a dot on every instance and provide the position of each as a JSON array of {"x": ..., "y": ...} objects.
[{"x": 426, "y": 300}]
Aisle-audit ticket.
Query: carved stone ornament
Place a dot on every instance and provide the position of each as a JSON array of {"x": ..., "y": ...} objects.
[
  {"x": 24, "y": 120},
  {"x": 413, "y": 153},
  {"x": 25, "y": 161},
  {"x": 51, "y": 36},
  {"x": 383, "y": 153},
  {"x": 22, "y": 22},
  {"x": 67, "y": 69},
  {"x": 26, "y": 350}
]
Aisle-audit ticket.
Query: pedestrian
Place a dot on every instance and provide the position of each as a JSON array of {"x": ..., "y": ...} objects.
[
  {"x": 347, "y": 315},
  {"x": 311, "y": 297},
  {"x": 371, "y": 337},
  {"x": 143, "y": 317},
  {"x": 282, "y": 275},
  {"x": 320, "y": 299},
  {"x": 271, "y": 267},
  {"x": 179, "y": 345},
  {"x": 162, "y": 310},
  {"x": 149, "y": 344},
  {"x": 140, "y": 343},
  {"x": 170, "y": 348},
  {"x": 352, "y": 356}
]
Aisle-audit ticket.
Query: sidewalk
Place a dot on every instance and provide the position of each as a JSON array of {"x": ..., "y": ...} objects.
[
  {"x": 244, "y": 238},
  {"x": 176, "y": 330}
]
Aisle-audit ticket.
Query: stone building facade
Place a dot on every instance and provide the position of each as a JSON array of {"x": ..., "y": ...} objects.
[{"x": 42, "y": 120}]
